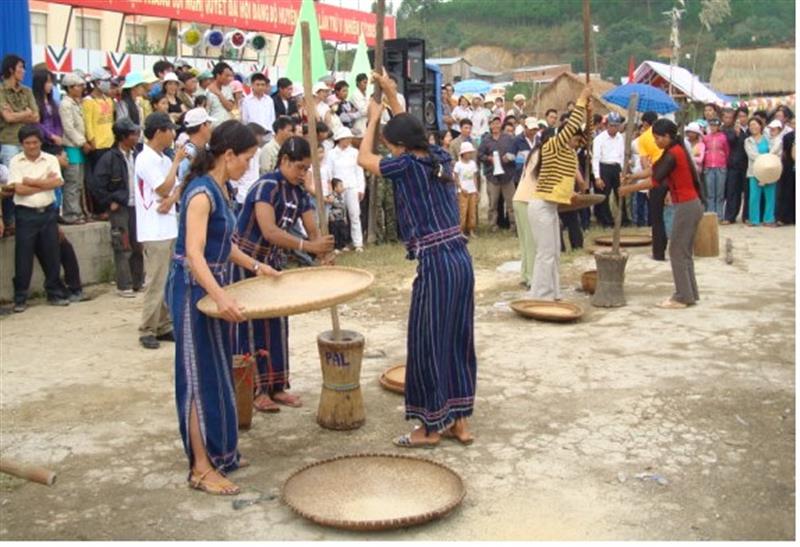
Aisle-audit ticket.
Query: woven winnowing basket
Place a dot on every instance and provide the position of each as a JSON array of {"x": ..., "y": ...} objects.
[
  {"x": 293, "y": 292},
  {"x": 582, "y": 201},
  {"x": 625, "y": 240},
  {"x": 547, "y": 310},
  {"x": 373, "y": 491}
]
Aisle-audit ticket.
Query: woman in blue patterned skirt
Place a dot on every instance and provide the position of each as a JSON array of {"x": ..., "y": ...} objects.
[
  {"x": 440, "y": 365},
  {"x": 271, "y": 208},
  {"x": 203, "y": 386}
]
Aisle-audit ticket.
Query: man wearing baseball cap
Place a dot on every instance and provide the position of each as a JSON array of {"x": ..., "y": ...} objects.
[
  {"x": 156, "y": 222},
  {"x": 75, "y": 146},
  {"x": 198, "y": 124},
  {"x": 608, "y": 155},
  {"x": 114, "y": 187}
]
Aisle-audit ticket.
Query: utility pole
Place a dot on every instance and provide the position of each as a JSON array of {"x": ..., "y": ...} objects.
[{"x": 674, "y": 37}]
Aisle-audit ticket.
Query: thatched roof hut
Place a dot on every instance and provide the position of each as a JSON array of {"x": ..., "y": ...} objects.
[
  {"x": 565, "y": 88},
  {"x": 765, "y": 71}
]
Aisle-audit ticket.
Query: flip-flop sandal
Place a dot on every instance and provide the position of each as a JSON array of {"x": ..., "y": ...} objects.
[
  {"x": 671, "y": 305},
  {"x": 214, "y": 488},
  {"x": 293, "y": 401},
  {"x": 243, "y": 462},
  {"x": 447, "y": 434},
  {"x": 271, "y": 406},
  {"x": 404, "y": 441}
]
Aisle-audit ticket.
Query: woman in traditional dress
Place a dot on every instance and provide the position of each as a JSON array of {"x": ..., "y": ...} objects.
[
  {"x": 271, "y": 208},
  {"x": 676, "y": 169},
  {"x": 203, "y": 386},
  {"x": 440, "y": 364}
]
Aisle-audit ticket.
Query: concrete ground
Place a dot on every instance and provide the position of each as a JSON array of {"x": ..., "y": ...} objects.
[{"x": 635, "y": 423}]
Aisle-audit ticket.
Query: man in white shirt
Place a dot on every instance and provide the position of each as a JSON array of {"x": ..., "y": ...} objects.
[
  {"x": 608, "y": 154},
  {"x": 34, "y": 176},
  {"x": 322, "y": 92},
  {"x": 258, "y": 107},
  {"x": 268, "y": 156},
  {"x": 157, "y": 223},
  {"x": 343, "y": 162},
  {"x": 219, "y": 94},
  {"x": 360, "y": 101},
  {"x": 250, "y": 176}
]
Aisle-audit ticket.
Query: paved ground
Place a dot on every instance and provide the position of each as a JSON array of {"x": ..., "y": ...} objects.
[{"x": 636, "y": 423}]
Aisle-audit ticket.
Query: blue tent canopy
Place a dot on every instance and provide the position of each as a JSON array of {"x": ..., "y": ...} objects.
[
  {"x": 15, "y": 33},
  {"x": 472, "y": 86}
]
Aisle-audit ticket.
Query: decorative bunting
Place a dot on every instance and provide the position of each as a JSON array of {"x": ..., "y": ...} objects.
[
  {"x": 59, "y": 60},
  {"x": 119, "y": 63}
]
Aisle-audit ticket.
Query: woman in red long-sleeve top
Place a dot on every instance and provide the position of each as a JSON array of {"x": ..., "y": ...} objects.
[{"x": 676, "y": 169}]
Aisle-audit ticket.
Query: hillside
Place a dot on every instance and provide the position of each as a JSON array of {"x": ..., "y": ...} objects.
[{"x": 548, "y": 31}]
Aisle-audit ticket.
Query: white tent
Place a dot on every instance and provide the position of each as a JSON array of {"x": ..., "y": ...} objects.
[{"x": 683, "y": 81}]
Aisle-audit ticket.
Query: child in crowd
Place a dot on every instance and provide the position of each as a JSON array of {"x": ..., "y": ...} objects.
[
  {"x": 465, "y": 172},
  {"x": 337, "y": 216}
]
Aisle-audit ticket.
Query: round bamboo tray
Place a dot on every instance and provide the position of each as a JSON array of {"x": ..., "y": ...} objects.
[
  {"x": 548, "y": 310},
  {"x": 394, "y": 379},
  {"x": 373, "y": 491},
  {"x": 581, "y": 202},
  {"x": 295, "y": 291},
  {"x": 625, "y": 240}
]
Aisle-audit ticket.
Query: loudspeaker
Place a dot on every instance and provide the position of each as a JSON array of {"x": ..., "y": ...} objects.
[{"x": 404, "y": 58}]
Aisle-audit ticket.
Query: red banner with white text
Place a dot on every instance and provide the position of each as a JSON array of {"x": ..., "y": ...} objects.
[{"x": 269, "y": 16}]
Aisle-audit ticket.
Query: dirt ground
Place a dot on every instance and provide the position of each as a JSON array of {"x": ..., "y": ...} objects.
[{"x": 635, "y": 423}]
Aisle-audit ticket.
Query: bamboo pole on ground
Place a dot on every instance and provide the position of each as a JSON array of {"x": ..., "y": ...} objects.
[
  {"x": 28, "y": 472},
  {"x": 372, "y": 211},
  {"x": 311, "y": 110}
]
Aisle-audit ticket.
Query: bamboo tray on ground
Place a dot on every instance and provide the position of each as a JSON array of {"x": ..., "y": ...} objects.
[
  {"x": 296, "y": 291},
  {"x": 373, "y": 491},
  {"x": 394, "y": 379},
  {"x": 582, "y": 202},
  {"x": 625, "y": 240},
  {"x": 548, "y": 310}
]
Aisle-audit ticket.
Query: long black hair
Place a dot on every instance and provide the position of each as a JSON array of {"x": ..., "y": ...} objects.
[
  {"x": 229, "y": 135},
  {"x": 40, "y": 78},
  {"x": 133, "y": 109},
  {"x": 667, "y": 128}
]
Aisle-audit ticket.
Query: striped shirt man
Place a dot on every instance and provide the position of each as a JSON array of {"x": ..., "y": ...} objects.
[{"x": 560, "y": 162}]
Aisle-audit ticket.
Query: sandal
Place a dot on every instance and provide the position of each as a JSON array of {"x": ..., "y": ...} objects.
[
  {"x": 670, "y": 304},
  {"x": 405, "y": 441},
  {"x": 286, "y": 399},
  {"x": 215, "y": 488},
  {"x": 269, "y": 406}
]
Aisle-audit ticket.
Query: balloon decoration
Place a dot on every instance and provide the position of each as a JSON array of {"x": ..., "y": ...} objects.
[
  {"x": 214, "y": 38},
  {"x": 235, "y": 39},
  {"x": 190, "y": 36},
  {"x": 256, "y": 41}
]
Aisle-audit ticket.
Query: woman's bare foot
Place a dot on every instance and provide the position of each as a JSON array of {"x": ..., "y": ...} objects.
[
  {"x": 263, "y": 403},
  {"x": 286, "y": 399},
  {"x": 459, "y": 431}
]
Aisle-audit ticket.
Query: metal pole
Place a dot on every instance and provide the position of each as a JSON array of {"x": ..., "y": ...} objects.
[
  {"x": 277, "y": 49},
  {"x": 166, "y": 39},
  {"x": 69, "y": 22},
  {"x": 121, "y": 28}
]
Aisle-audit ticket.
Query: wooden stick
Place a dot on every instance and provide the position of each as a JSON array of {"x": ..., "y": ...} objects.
[
  {"x": 587, "y": 36},
  {"x": 626, "y": 167},
  {"x": 28, "y": 472},
  {"x": 372, "y": 211},
  {"x": 311, "y": 111}
]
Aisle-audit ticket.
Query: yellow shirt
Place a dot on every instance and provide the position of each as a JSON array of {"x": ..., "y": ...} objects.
[
  {"x": 648, "y": 148},
  {"x": 560, "y": 162},
  {"x": 21, "y": 167},
  {"x": 98, "y": 116}
]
